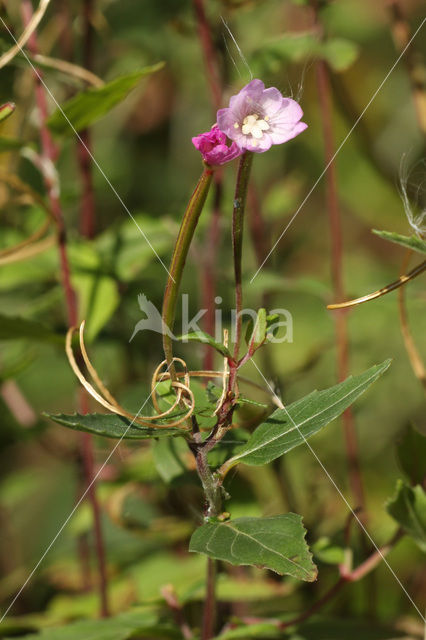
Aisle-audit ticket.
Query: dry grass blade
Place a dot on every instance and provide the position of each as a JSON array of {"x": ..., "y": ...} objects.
[
  {"x": 69, "y": 69},
  {"x": 26, "y": 35},
  {"x": 410, "y": 346},
  {"x": 381, "y": 292},
  {"x": 110, "y": 403}
]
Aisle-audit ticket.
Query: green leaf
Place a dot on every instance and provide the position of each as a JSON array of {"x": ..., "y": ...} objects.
[
  {"x": 408, "y": 508},
  {"x": 205, "y": 338},
  {"x": 291, "y": 48},
  {"x": 229, "y": 445},
  {"x": 171, "y": 456},
  {"x": 10, "y": 144},
  {"x": 13, "y": 328},
  {"x": 339, "y": 53},
  {"x": 287, "y": 428},
  {"x": 256, "y": 335},
  {"x": 99, "y": 298},
  {"x": 140, "y": 623},
  {"x": 88, "y": 107},
  {"x": 6, "y": 110},
  {"x": 276, "y": 543},
  {"x": 411, "y": 454},
  {"x": 327, "y": 551},
  {"x": 410, "y": 242},
  {"x": 323, "y": 628},
  {"x": 110, "y": 426},
  {"x": 267, "y": 630}
]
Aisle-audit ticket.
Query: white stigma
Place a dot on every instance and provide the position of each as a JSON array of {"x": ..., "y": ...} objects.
[{"x": 254, "y": 127}]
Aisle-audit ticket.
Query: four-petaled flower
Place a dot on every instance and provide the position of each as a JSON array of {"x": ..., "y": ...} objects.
[
  {"x": 213, "y": 147},
  {"x": 257, "y": 118}
]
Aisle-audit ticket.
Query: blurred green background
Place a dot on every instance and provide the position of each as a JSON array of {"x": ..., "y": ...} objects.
[{"x": 144, "y": 148}]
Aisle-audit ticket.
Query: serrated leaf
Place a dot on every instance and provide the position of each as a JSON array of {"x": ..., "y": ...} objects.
[
  {"x": 88, "y": 107},
  {"x": 410, "y": 242},
  {"x": 411, "y": 454},
  {"x": 287, "y": 428},
  {"x": 205, "y": 338},
  {"x": 408, "y": 508},
  {"x": 110, "y": 426},
  {"x": 6, "y": 110},
  {"x": 13, "y": 328},
  {"x": 339, "y": 53},
  {"x": 276, "y": 543}
]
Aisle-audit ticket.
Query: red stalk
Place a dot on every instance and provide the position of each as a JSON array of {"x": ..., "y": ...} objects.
[
  {"x": 342, "y": 342},
  {"x": 49, "y": 156}
]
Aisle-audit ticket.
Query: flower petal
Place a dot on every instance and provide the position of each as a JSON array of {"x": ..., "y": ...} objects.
[
  {"x": 290, "y": 110},
  {"x": 225, "y": 121},
  {"x": 270, "y": 101},
  {"x": 286, "y": 132},
  {"x": 258, "y": 146}
]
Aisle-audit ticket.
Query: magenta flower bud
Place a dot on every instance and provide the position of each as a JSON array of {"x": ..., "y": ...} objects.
[
  {"x": 212, "y": 146},
  {"x": 257, "y": 118}
]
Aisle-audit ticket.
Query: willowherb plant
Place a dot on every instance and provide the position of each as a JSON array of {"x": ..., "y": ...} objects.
[{"x": 256, "y": 119}]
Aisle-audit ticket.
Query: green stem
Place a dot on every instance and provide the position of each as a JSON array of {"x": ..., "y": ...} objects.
[
  {"x": 183, "y": 242},
  {"x": 237, "y": 239}
]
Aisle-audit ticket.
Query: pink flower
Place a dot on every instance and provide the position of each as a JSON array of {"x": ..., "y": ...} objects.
[
  {"x": 213, "y": 147},
  {"x": 257, "y": 118}
]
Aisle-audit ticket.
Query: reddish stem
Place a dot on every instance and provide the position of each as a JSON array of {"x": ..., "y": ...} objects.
[
  {"x": 329, "y": 595},
  {"x": 210, "y": 602},
  {"x": 49, "y": 155},
  {"x": 345, "y": 576},
  {"x": 210, "y": 60},
  {"x": 84, "y": 144},
  {"x": 87, "y": 207},
  {"x": 342, "y": 342},
  {"x": 88, "y": 459},
  {"x": 213, "y": 234}
]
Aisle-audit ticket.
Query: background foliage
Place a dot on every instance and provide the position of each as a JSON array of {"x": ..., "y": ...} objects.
[{"x": 143, "y": 146}]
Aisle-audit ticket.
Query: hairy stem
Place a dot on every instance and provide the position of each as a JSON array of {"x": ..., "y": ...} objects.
[
  {"x": 180, "y": 253},
  {"x": 240, "y": 198},
  {"x": 213, "y": 494},
  {"x": 209, "y": 276}
]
